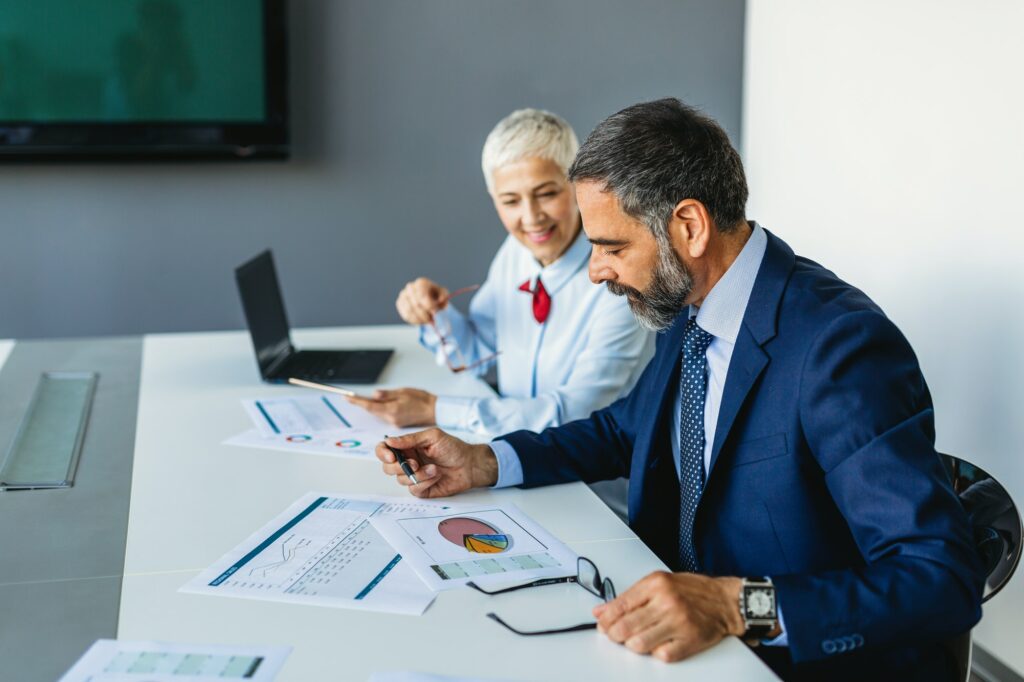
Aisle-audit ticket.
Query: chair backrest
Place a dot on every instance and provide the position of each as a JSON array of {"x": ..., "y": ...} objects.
[{"x": 994, "y": 517}]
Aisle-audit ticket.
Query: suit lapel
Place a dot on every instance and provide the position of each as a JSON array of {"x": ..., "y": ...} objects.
[
  {"x": 748, "y": 361},
  {"x": 759, "y": 326}
]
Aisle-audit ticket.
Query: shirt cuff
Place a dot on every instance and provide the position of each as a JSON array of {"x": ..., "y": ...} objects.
[
  {"x": 781, "y": 640},
  {"x": 453, "y": 412},
  {"x": 510, "y": 469},
  {"x": 428, "y": 337}
]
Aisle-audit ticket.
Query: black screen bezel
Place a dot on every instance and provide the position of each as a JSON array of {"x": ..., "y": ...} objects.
[{"x": 27, "y": 140}]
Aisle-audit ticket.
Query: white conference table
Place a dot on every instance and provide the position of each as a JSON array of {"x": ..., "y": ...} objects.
[{"x": 193, "y": 499}]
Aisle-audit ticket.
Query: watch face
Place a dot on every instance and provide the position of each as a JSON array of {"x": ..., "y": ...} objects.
[{"x": 760, "y": 603}]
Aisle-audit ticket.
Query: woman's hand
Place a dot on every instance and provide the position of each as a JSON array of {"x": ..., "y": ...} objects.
[
  {"x": 401, "y": 406},
  {"x": 419, "y": 300}
]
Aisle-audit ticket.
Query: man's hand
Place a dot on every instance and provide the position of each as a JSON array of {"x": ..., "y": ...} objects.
[
  {"x": 420, "y": 299},
  {"x": 673, "y": 615},
  {"x": 401, "y": 406},
  {"x": 443, "y": 464}
]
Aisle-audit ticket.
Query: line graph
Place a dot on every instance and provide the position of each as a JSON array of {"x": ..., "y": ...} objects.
[{"x": 289, "y": 548}]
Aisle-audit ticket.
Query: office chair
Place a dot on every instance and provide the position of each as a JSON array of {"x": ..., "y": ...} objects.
[{"x": 997, "y": 528}]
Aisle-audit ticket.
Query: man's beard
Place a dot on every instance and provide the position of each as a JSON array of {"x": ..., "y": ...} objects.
[{"x": 659, "y": 305}]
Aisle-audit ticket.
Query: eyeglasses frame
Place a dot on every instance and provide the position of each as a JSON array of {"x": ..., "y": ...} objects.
[
  {"x": 449, "y": 338},
  {"x": 607, "y": 593}
]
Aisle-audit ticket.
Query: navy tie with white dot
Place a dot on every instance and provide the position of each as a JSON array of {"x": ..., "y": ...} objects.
[{"x": 693, "y": 385}]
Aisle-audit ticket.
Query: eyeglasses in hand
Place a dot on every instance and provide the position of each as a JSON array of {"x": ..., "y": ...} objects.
[
  {"x": 454, "y": 358},
  {"x": 587, "y": 576}
]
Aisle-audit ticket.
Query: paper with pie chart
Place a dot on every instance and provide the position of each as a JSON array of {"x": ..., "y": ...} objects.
[{"x": 488, "y": 545}]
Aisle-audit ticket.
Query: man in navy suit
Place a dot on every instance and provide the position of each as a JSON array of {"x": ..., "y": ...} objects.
[{"x": 783, "y": 431}]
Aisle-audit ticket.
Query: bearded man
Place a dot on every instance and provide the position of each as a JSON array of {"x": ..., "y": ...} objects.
[{"x": 783, "y": 431}]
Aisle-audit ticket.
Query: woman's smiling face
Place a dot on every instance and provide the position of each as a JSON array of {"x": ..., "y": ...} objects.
[{"x": 537, "y": 206}]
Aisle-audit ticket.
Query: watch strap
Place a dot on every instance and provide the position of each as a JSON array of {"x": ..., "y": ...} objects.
[{"x": 757, "y": 632}]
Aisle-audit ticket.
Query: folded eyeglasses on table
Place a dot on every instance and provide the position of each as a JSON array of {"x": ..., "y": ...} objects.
[{"x": 587, "y": 576}]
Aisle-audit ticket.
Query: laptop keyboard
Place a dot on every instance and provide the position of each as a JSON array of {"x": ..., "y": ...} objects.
[{"x": 361, "y": 366}]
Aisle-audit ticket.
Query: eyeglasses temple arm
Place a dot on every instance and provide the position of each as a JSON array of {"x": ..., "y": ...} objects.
[
  {"x": 535, "y": 583},
  {"x": 533, "y": 633}
]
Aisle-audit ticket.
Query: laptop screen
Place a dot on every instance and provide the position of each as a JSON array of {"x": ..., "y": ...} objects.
[{"x": 264, "y": 308}]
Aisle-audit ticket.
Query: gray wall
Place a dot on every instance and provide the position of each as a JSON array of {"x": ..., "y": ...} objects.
[{"x": 391, "y": 102}]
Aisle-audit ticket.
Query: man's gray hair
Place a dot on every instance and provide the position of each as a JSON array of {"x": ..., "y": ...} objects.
[
  {"x": 527, "y": 133},
  {"x": 653, "y": 155}
]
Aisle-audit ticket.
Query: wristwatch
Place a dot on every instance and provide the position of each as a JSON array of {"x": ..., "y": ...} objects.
[{"x": 757, "y": 606}]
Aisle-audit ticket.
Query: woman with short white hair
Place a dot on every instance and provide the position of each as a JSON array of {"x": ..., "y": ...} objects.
[{"x": 563, "y": 346}]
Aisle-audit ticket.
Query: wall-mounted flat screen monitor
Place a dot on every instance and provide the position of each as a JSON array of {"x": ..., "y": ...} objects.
[{"x": 150, "y": 78}]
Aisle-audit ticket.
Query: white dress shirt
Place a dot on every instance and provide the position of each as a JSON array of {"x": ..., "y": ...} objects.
[
  {"x": 588, "y": 352},
  {"x": 721, "y": 315}
]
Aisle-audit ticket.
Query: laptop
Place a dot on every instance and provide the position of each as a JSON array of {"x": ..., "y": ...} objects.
[{"x": 277, "y": 358}]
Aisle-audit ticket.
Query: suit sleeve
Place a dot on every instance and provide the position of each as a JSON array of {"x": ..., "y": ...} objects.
[
  {"x": 597, "y": 448},
  {"x": 867, "y": 417}
]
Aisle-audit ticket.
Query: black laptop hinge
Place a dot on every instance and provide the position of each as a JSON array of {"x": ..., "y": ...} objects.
[{"x": 277, "y": 362}]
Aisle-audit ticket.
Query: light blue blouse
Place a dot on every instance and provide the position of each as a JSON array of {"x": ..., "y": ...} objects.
[{"x": 588, "y": 352}]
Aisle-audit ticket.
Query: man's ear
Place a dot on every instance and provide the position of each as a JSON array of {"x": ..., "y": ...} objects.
[{"x": 690, "y": 228}]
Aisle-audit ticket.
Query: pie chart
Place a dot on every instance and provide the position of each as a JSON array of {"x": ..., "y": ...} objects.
[{"x": 474, "y": 535}]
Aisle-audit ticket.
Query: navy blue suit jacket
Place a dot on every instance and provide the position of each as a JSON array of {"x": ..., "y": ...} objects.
[{"x": 823, "y": 472}]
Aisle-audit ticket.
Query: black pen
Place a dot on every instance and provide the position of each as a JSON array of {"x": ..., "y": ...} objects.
[{"x": 403, "y": 462}]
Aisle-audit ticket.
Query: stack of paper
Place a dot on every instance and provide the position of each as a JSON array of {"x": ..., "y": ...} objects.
[
  {"x": 323, "y": 550},
  {"x": 383, "y": 553},
  {"x": 319, "y": 425}
]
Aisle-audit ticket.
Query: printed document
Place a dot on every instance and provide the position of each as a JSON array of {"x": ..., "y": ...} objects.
[
  {"x": 109, "y": 660},
  {"x": 323, "y": 550},
  {"x": 486, "y": 544},
  {"x": 355, "y": 444},
  {"x": 315, "y": 425},
  {"x": 310, "y": 415}
]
